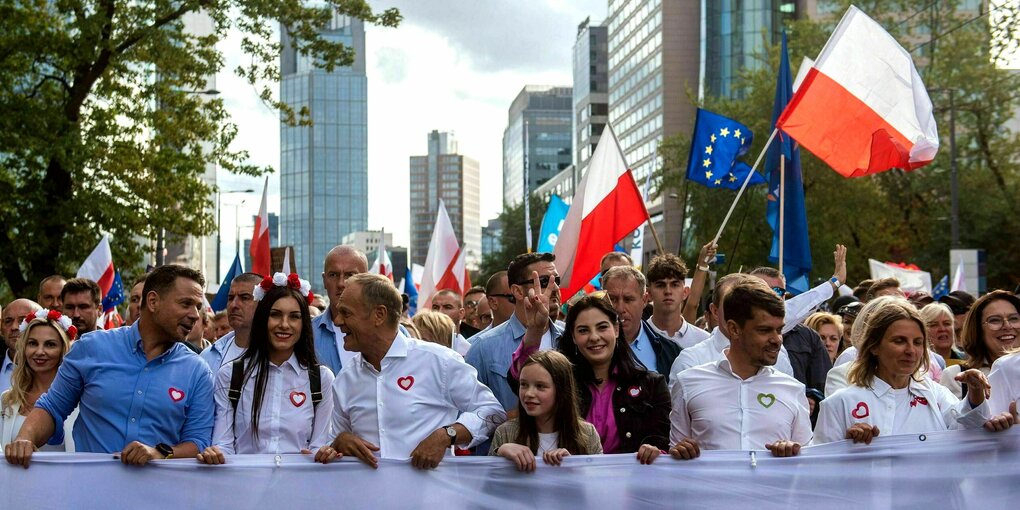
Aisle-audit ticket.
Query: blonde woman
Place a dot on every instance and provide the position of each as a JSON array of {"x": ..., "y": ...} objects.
[
  {"x": 435, "y": 327},
  {"x": 830, "y": 327},
  {"x": 45, "y": 338}
]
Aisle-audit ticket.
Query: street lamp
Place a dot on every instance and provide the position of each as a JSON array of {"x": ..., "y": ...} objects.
[{"x": 219, "y": 224}]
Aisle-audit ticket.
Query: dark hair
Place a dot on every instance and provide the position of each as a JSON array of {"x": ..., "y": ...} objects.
[
  {"x": 666, "y": 266},
  {"x": 249, "y": 277},
  {"x": 257, "y": 355},
  {"x": 566, "y": 413},
  {"x": 623, "y": 364},
  {"x": 50, "y": 278},
  {"x": 743, "y": 298},
  {"x": 76, "y": 285},
  {"x": 515, "y": 272},
  {"x": 766, "y": 271},
  {"x": 490, "y": 286},
  {"x": 861, "y": 290},
  {"x": 880, "y": 285},
  {"x": 163, "y": 278},
  {"x": 723, "y": 284},
  {"x": 475, "y": 290},
  {"x": 972, "y": 335}
]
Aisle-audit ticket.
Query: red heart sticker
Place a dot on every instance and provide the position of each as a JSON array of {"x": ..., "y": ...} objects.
[
  {"x": 918, "y": 400},
  {"x": 861, "y": 411},
  {"x": 634, "y": 391},
  {"x": 297, "y": 398},
  {"x": 175, "y": 394},
  {"x": 406, "y": 382}
]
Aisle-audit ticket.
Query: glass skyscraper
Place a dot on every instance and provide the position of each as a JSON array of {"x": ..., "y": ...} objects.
[
  {"x": 734, "y": 38},
  {"x": 545, "y": 113},
  {"x": 591, "y": 88},
  {"x": 324, "y": 167}
]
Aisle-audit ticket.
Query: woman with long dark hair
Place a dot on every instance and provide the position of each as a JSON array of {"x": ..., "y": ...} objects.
[
  {"x": 276, "y": 398},
  {"x": 628, "y": 405},
  {"x": 548, "y": 422}
]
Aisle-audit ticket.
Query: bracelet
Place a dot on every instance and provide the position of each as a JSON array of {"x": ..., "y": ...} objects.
[{"x": 703, "y": 268}]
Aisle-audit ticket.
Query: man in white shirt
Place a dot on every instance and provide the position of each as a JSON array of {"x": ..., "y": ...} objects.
[
  {"x": 241, "y": 306},
  {"x": 711, "y": 350},
  {"x": 666, "y": 289},
  {"x": 400, "y": 396},
  {"x": 741, "y": 402}
]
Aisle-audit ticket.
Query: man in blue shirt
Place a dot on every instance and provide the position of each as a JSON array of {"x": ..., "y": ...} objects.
[
  {"x": 240, "y": 310},
  {"x": 625, "y": 286},
  {"x": 342, "y": 262},
  {"x": 139, "y": 390}
]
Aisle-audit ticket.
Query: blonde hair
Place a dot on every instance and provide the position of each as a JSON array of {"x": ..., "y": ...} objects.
[
  {"x": 436, "y": 325},
  {"x": 881, "y": 314},
  {"x": 23, "y": 376},
  {"x": 819, "y": 319}
]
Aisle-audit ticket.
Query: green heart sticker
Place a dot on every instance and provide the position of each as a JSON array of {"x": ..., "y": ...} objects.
[{"x": 766, "y": 400}]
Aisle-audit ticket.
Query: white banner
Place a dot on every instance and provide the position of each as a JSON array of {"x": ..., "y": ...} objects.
[
  {"x": 959, "y": 469},
  {"x": 910, "y": 280}
]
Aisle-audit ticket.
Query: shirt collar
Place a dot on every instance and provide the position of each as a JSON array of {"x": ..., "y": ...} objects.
[
  {"x": 137, "y": 336},
  {"x": 719, "y": 340},
  {"x": 292, "y": 361},
  {"x": 725, "y": 366},
  {"x": 7, "y": 363},
  {"x": 399, "y": 347},
  {"x": 880, "y": 388},
  {"x": 517, "y": 329},
  {"x": 681, "y": 331},
  {"x": 642, "y": 335}
]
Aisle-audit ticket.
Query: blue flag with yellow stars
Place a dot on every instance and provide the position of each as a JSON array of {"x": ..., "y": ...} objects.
[{"x": 718, "y": 142}]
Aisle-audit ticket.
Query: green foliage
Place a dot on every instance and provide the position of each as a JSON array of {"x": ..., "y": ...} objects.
[
  {"x": 513, "y": 239},
  {"x": 103, "y": 127},
  {"x": 895, "y": 215}
]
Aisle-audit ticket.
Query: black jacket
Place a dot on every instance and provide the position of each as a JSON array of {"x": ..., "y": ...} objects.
[
  {"x": 641, "y": 408},
  {"x": 808, "y": 356},
  {"x": 665, "y": 349}
]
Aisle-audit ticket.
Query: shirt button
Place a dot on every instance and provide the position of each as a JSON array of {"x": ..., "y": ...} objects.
[
  {"x": 132, "y": 420},
  {"x": 139, "y": 392},
  {"x": 382, "y": 431},
  {"x": 627, "y": 435},
  {"x": 623, "y": 409}
]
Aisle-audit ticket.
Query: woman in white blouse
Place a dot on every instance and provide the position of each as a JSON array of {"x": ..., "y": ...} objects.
[
  {"x": 275, "y": 407},
  {"x": 888, "y": 393},
  {"x": 987, "y": 335},
  {"x": 45, "y": 338}
]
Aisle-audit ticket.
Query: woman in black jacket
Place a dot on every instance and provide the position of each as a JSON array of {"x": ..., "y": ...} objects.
[{"x": 628, "y": 405}]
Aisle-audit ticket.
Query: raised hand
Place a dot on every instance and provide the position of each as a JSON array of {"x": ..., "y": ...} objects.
[
  {"x": 978, "y": 388},
  {"x": 839, "y": 256}
]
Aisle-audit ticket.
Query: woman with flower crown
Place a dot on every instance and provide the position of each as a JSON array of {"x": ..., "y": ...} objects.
[
  {"x": 276, "y": 398},
  {"x": 45, "y": 338}
]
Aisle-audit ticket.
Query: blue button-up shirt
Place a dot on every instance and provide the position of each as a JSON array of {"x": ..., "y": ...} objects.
[
  {"x": 325, "y": 341},
  {"x": 123, "y": 397},
  {"x": 643, "y": 351},
  {"x": 6, "y": 372}
]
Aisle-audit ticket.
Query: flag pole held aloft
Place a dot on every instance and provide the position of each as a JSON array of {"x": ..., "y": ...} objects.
[{"x": 743, "y": 186}]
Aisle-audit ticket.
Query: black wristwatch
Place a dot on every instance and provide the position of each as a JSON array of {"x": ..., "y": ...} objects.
[
  {"x": 452, "y": 432},
  {"x": 165, "y": 450}
]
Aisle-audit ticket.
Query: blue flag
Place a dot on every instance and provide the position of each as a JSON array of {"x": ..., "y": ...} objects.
[
  {"x": 412, "y": 293},
  {"x": 551, "y": 224},
  {"x": 941, "y": 288},
  {"x": 220, "y": 301},
  {"x": 717, "y": 143},
  {"x": 116, "y": 294},
  {"x": 797, "y": 249}
]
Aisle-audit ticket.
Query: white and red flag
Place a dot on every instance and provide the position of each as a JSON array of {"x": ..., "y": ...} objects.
[
  {"x": 862, "y": 107},
  {"x": 607, "y": 207},
  {"x": 98, "y": 266},
  {"x": 382, "y": 264},
  {"x": 259, "y": 249},
  {"x": 444, "y": 266}
]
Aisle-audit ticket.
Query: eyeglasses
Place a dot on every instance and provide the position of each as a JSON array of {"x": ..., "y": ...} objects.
[
  {"x": 996, "y": 322},
  {"x": 504, "y": 296},
  {"x": 542, "y": 280},
  {"x": 470, "y": 304}
]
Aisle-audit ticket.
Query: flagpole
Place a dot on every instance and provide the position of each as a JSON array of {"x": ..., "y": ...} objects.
[
  {"x": 527, "y": 202},
  {"x": 782, "y": 208},
  {"x": 744, "y": 185}
]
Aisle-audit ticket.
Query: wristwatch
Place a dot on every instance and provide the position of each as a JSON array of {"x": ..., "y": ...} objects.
[
  {"x": 165, "y": 450},
  {"x": 452, "y": 433}
]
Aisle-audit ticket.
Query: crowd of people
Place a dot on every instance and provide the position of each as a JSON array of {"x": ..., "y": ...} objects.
[{"x": 509, "y": 369}]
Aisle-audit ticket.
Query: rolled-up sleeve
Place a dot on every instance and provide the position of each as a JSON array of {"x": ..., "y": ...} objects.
[
  {"x": 198, "y": 425},
  {"x": 65, "y": 392},
  {"x": 480, "y": 412}
]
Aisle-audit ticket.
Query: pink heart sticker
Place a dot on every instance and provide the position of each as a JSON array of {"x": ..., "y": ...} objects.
[
  {"x": 634, "y": 391},
  {"x": 406, "y": 382},
  {"x": 861, "y": 411},
  {"x": 175, "y": 394},
  {"x": 297, "y": 398}
]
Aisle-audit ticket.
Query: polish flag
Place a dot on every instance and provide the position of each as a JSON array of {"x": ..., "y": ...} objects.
[
  {"x": 382, "y": 263},
  {"x": 607, "y": 207},
  {"x": 443, "y": 261},
  {"x": 98, "y": 266},
  {"x": 862, "y": 107},
  {"x": 286, "y": 261},
  {"x": 259, "y": 248}
]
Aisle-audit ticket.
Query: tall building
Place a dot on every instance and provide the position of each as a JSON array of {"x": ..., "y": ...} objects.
[
  {"x": 324, "y": 167},
  {"x": 545, "y": 113},
  {"x": 591, "y": 90},
  {"x": 368, "y": 240},
  {"x": 733, "y": 38},
  {"x": 445, "y": 174},
  {"x": 492, "y": 237}
]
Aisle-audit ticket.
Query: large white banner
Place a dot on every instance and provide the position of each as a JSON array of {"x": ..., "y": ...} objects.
[
  {"x": 910, "y": 280},
  {"x": 961, "y": 469}
]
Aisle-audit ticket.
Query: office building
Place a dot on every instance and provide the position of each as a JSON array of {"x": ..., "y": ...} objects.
[
  {"x": 591, "y": 90},
  {"x": 545, "y": 114}
]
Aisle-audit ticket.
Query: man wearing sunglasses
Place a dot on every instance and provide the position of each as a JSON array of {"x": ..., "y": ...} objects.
[{"x": 501, "y": 301}]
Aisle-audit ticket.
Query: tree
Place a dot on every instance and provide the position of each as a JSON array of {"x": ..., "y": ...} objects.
[
  {"x": 102, "y": 130},
  {"x": 895, "y": 215},
  {"x": 513, "y": 239}
]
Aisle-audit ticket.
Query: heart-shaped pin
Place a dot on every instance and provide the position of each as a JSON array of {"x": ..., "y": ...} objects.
[
  {"x": 406, "y": 382},
  {"x": 861, "y": 411},
  {"x": 175, "y": 394},
  {"x": 634, "y": 391},
  {"x": 766, "y": 400},
  {"x": 297, "y": 398}
]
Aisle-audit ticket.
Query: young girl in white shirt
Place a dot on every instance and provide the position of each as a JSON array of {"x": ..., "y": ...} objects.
[
  {"x": 887, "y": 392},
  {"x": 549, "y": 423},
  {"x": 267, "y": 400}
]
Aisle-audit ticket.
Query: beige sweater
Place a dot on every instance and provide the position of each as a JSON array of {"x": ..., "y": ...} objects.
[{"x": 507, "y": 432}]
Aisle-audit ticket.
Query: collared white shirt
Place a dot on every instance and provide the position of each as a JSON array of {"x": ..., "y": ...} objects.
[
  {"x": 931, "y": 408},
  {"x": 643, "y": 351},
  {"x": 6, "y": 372},
  {"x": 420, "y": 388},
  {"x": 711, "y": 350},
  {"x": 721, "y": 411},
  {"x": 288, "y": 422},
  {"x": 687, "y": 336},
  {"x": 460, "y": 344},
  {"x": 802, "y": 305},
  {"x": 345, "y": 355},
  {"x": 1005, "y": 381}
]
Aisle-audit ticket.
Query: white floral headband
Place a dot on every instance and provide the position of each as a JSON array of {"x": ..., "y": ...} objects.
[
  {"x": 53, "y": 316},
  {"x": 282, "y": 280}
]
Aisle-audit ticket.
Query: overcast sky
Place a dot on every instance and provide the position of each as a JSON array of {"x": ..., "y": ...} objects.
[{"x": 451, "y": 65}]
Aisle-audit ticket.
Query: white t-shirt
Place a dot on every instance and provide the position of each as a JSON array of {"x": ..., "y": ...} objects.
[{"x": 548, "y": 442}]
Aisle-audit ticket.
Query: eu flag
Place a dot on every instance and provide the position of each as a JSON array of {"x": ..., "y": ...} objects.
[
  {"x": 797, "y": 247},
  {"x": 412, "y": 293},
  {"x": 116, "y": 294},
  {"x": 220, "y": 301},
  {"x": 718, "y": 142},
  {"x": 941, "y": 288}
]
